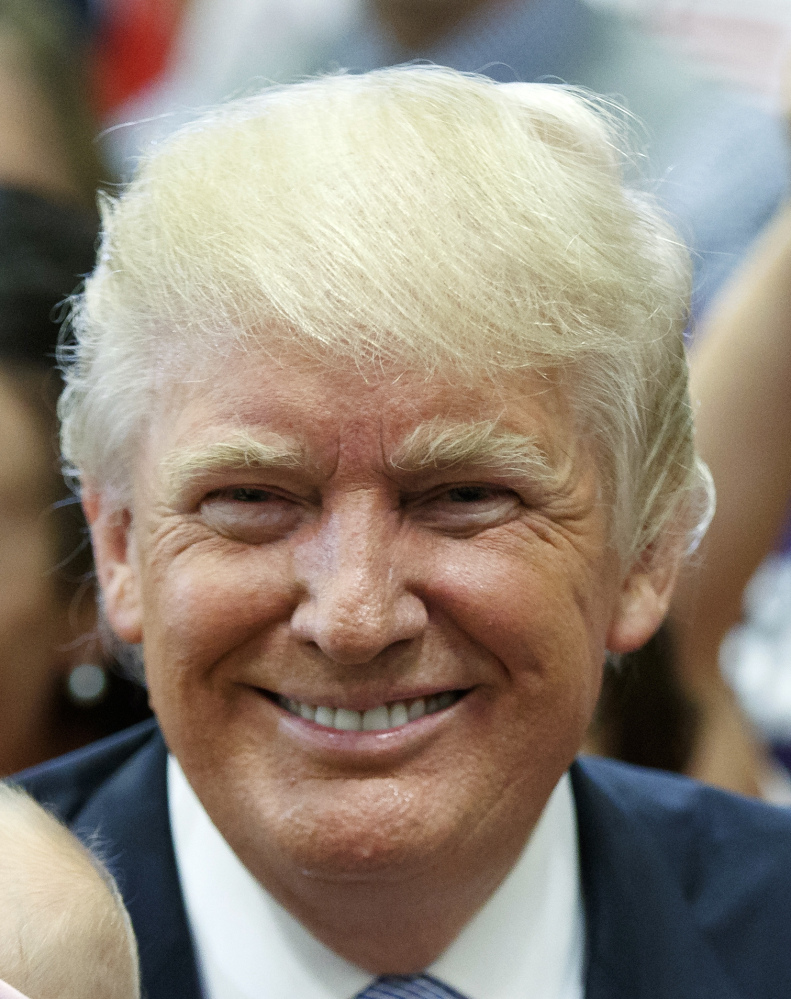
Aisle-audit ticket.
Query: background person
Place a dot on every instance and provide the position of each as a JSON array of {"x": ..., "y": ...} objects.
[
  {"x": 742, "y": 374},
  {"x": 47, "y": 130},
  {"x": 58, "y": 689},
  {"x": 64, "y": 932},
  {"x": 48, "y": 229}
]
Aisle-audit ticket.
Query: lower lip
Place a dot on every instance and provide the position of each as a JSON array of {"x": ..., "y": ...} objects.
[{"x": 383, "y": 742}]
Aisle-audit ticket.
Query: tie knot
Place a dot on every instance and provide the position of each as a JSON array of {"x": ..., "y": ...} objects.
[{"x": 408, "y": 987}]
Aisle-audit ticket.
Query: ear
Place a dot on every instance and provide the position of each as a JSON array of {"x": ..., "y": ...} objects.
[
  {"x": 116, "y": 561},
  {"x": 644, "y": 598}
]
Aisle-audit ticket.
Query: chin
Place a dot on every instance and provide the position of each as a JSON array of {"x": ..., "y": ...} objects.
[{"x": 363, "y": 828}]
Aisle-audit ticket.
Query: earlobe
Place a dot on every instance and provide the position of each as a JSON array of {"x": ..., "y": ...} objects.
[
  {"x": 116, "y": 564},
  {"x": 644, "y": 600}
]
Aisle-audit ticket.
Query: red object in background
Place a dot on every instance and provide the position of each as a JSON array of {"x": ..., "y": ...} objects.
[{"x": 131, "y": 48}]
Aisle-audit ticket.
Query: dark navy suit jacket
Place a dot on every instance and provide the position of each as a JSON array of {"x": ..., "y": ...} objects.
[{"x": 687, "y": 890}]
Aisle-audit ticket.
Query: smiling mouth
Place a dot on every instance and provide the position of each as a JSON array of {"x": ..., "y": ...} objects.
[{"x": 379, "y": 719}]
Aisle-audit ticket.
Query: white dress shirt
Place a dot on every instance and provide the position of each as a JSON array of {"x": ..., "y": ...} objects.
[{"x": 527, "y": 941}]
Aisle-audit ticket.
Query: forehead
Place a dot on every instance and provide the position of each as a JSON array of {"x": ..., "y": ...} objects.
[{"x": 337, "y": 405}]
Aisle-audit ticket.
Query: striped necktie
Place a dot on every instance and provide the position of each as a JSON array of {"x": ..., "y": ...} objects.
[{"x": 408, "y": 987}]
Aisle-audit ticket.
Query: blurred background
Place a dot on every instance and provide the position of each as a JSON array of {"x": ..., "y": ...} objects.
[
  {"x": 87, "y": 85},
  {"x": 199, "y": 51}
]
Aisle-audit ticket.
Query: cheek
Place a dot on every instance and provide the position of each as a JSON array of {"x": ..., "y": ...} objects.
[
  {"x": 543, "y": 618},
  {"x": 203, "y": 605}
]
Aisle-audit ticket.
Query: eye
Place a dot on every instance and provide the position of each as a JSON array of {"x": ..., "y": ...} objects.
[
  {"x": 469, "y": 494},
  {"x": 251, "y": 514},
  {"x": 466, "y": 508},
  {"x": 247, "y": 495}
]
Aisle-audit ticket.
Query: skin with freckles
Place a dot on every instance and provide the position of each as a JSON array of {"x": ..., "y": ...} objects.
[{"x": 345, "y": 575}]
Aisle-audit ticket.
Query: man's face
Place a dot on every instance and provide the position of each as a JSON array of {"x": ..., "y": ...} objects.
[{"x": 374, "y": 610}]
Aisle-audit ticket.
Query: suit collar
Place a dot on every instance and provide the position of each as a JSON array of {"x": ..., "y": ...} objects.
[
  {"x": 130, "y": 815},
  {"x": 642, "y": 940}
]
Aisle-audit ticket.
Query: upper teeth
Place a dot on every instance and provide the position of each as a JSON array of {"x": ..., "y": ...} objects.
[{"x": 375, "y": 719}]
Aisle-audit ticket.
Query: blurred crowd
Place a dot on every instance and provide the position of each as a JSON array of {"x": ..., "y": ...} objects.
[{"x": 711, "y": 694}]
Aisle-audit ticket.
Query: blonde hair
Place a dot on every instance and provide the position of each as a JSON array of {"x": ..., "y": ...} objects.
[
  {"x": 64, "y": 931},
  {"x": 412, "y": 214}
]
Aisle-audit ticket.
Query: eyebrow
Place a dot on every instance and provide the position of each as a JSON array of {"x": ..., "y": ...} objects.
[
  {"x": 240, "y": 452},
  {"x": 434, "y": 445},
  {"x": 438, "y": 444}
]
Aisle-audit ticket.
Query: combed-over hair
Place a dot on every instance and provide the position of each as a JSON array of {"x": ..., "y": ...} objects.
[
  {"x": 64, "y": 931},
  {"x": 411, "y": 214}
]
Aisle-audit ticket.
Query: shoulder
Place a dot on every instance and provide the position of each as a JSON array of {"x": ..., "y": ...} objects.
[
  {"x": 67, "y": 784},
  {"x": 704, "y": 833},
  {"x": 670, "y": 801},
  {"x": 718, "y": 862}
]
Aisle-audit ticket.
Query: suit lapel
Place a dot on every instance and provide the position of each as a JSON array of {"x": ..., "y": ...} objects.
[
  {"x": 128, "y": 820},
  {"x": 642, "y": 942}
]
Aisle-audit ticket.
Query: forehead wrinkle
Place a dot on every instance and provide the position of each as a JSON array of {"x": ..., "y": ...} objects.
[
  {"x": 438, "y": 444},
  {"x": 239, "y": 452}
]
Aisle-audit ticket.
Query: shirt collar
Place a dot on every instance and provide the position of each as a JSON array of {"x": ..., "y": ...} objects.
[{"x": 528, "y": 939}]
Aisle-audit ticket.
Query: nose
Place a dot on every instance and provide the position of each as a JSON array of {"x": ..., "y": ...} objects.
[{"x": 356, "y": 603}]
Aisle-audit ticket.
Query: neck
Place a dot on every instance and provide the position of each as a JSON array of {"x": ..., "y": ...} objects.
[{"x": 416, "y": 24}]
